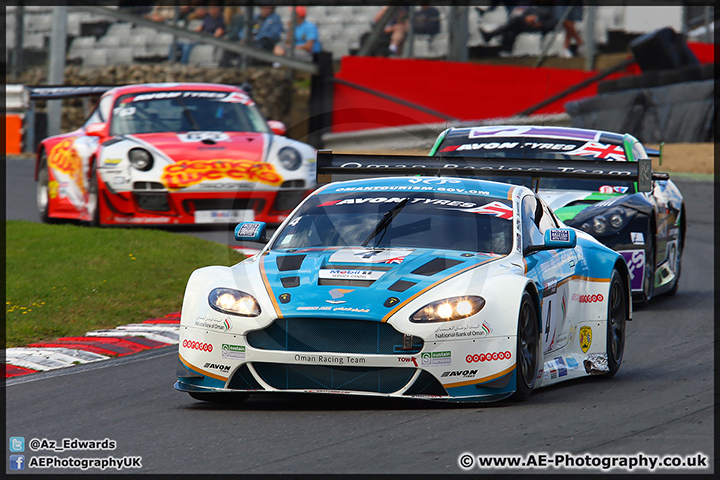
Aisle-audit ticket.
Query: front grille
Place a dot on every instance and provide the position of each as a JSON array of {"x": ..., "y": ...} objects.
[
  {"x": 320, "y": 377},
  {"x": 331, "y": 335},
  {"x": 154, "y": 202},
  {"x": 242, "y": 379}
]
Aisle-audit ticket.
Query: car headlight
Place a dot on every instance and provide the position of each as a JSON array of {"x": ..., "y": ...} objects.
[
  {"x": 609, "y": 222},
  {"x": 234, "y": 302},
  {"x": 289, "y": 158},
  {"x": 599, "y": 225},
  {"x": 141, "y": 159},
  {"x": 448, "y": 309}
]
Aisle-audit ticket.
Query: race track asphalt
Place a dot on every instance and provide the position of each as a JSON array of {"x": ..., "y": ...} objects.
[{"x": 660, "y": 403}]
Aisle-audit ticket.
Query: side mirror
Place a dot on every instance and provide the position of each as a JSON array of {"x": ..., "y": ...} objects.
[
  {"x": 96, "y": 130},
  {"x": 560, "y": 238},
  {"x": 555, "y": 238},
  {"x": 278, "y": 128},
  {"x": 251, "y": 232}
]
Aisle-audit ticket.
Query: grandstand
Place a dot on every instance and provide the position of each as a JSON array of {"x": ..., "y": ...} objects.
[{"x": 98, "y": 41}]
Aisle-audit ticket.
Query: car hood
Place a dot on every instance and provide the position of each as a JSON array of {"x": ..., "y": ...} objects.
[
  {"x": 567, "y": 204},
  {"x": 208, "y": 145},
  {"x": 361, "y": 283}
]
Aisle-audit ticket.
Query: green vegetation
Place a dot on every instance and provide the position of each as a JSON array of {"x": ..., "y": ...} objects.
[{"x": 65, "y": 280}]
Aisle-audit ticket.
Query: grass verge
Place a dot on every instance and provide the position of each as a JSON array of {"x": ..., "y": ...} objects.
[{"x": 65, "y": 280}]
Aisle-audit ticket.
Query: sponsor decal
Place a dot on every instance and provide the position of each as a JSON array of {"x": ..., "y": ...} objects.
[
  {"x": 637, "y": 238},
  {"x": 487, "y": 146},
  {"x": 329, "y": 359},
  {"x": 408, "y": 360},
  {"x": 611, "y": 189},
  {"x": 384, "y": 256},
  {"x": 186, "y": 173},
  {"x": 497, "y": 209},
  {"x": 163, "y": 95},
  {"x": 211, "y": 323},
  {"x": 112, "y": 161},
  {"x": 336, "y": 293},
  {"x": 333, "y": 309},
  {"x": 588, "y": 298},
  {"x": 142, "y": 219},
  {"x": 236, "y": 352},
  {"x": 249, "y": 229},
  {"x": 199, "y": 136},
  {"x": 460, "y": 373},
  {"x": 423, "y": 201},
  {"x": 571, "y": 362},
  {"x": 436, "y": 358},
  {"x": 237, "y": 97},
  {"x": 636, "y": 266},
  {"x": 601, "y": 150},
  {"x": 488, "y": 357},
  {"x": 461, "y": 332},
  {"x": 64, "y": 157},
  {"x": 53, "y": 188},
  {"x": 550, "y": 132},
  {"x": 193, "y": 345},
  {"x": 550, "y": 287},
  {"x": 560, "y": 235},
  {"x": 284, "y": 297},
  {"x": 350, "y": 274},
  {"x": 391, "y": 301},
  {"x": 585, "y": 338},
  {"x": 562, "y": 371},
  {"x": 216, "y": 366},
  {"x": 553, "y": 371}
]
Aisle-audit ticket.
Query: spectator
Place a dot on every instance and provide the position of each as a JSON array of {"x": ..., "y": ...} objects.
[
  {"x": 397, "y": 28},
  {"x": 426, "y": 21},
  {"x": 266, "y": 29},
  {"x": 575, "y": 15},
  {"x": 509, "y": 6},
  {"x": 307, "y": 40},
  {"x": 539, "y": 17},
  {"x": 235, "y": 21},
  {"x": 213, "y": 24}
]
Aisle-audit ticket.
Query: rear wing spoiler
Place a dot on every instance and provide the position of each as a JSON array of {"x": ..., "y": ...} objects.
[
  {"x": 329, "y": 164},
  {"x": 64, "y": 91}
]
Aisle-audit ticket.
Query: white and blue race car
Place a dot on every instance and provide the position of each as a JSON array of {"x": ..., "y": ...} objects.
[{"x": 438, "y": 286}]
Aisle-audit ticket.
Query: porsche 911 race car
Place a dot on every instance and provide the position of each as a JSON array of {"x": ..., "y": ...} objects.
[
  {"x": 431, "y": 285},
  {"x": 173, "y": 153},
  {"x": 647, "y": 228}
]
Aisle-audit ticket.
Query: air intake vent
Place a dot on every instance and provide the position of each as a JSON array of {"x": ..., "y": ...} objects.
[
  {"x": 401, "y": 286},
  {"x": 290, "y": 282},
  {"x": 289, "y": 262},
  {"x": 436, "y": 265}
]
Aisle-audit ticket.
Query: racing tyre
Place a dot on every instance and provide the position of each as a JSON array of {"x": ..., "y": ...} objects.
[
  {"x": 648, "y": 272},
  {"x": 220, "y": 397},
  {"x": 42, "y": 192},
  {"x": 677, "y": 264},
  {"x": 93, "y": 204},
  {"x": 528, "y": 358},
  {"x": 617, "y": 318}
]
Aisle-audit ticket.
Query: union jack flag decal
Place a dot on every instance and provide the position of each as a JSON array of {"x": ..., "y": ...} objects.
[{"x": 601, "y": 150}]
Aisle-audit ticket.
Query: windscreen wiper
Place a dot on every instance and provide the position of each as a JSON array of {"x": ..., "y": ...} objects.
[
  {"x": 386, "y": 220},
  {"x": 187, "y": 113}
]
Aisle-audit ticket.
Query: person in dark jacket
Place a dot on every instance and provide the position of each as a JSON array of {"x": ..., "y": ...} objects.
[{"x": 538, "y": 17}]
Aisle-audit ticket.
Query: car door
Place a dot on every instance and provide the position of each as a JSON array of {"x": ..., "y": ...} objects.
[{"x": 552, "y": 271}]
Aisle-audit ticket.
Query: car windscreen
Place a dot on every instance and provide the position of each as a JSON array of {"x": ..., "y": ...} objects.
[
  {"x": 541, "y": 148},
  {"x": 185, "y": 111},
  {"x": 427, "y": 220}
]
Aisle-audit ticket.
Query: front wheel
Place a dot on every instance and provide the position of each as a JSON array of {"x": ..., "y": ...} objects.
[
  {"x": 527, "y": 360},
  {"x": 616, "y": 320},
  {"x": 220, "y": 397},
  {"x": 42, "y": 191}
]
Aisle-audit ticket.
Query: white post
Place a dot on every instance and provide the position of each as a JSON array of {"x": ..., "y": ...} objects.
[{"x": 56, "y": 69}]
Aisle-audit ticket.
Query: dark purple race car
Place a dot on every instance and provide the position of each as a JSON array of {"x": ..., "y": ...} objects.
[{"x": 648, "y": 229}]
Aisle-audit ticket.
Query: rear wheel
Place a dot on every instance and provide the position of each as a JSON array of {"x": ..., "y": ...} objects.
[
  {"x": 527, "y": 360},
  {"x": 648, "y": 271},
  {"x": 675, "y": 255},
  {"x": 42, "y": 192},
  {"x": 617, "y": 317},
  {"x": 220, "y": 397},
  {"x": 93, "y": 204}
]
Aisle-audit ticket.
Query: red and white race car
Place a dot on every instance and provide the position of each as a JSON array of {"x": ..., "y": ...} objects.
[{"x": 173, "y": 153}]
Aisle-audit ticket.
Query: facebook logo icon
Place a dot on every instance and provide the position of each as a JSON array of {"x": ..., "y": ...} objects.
[{"x": 17, "y": 462}]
